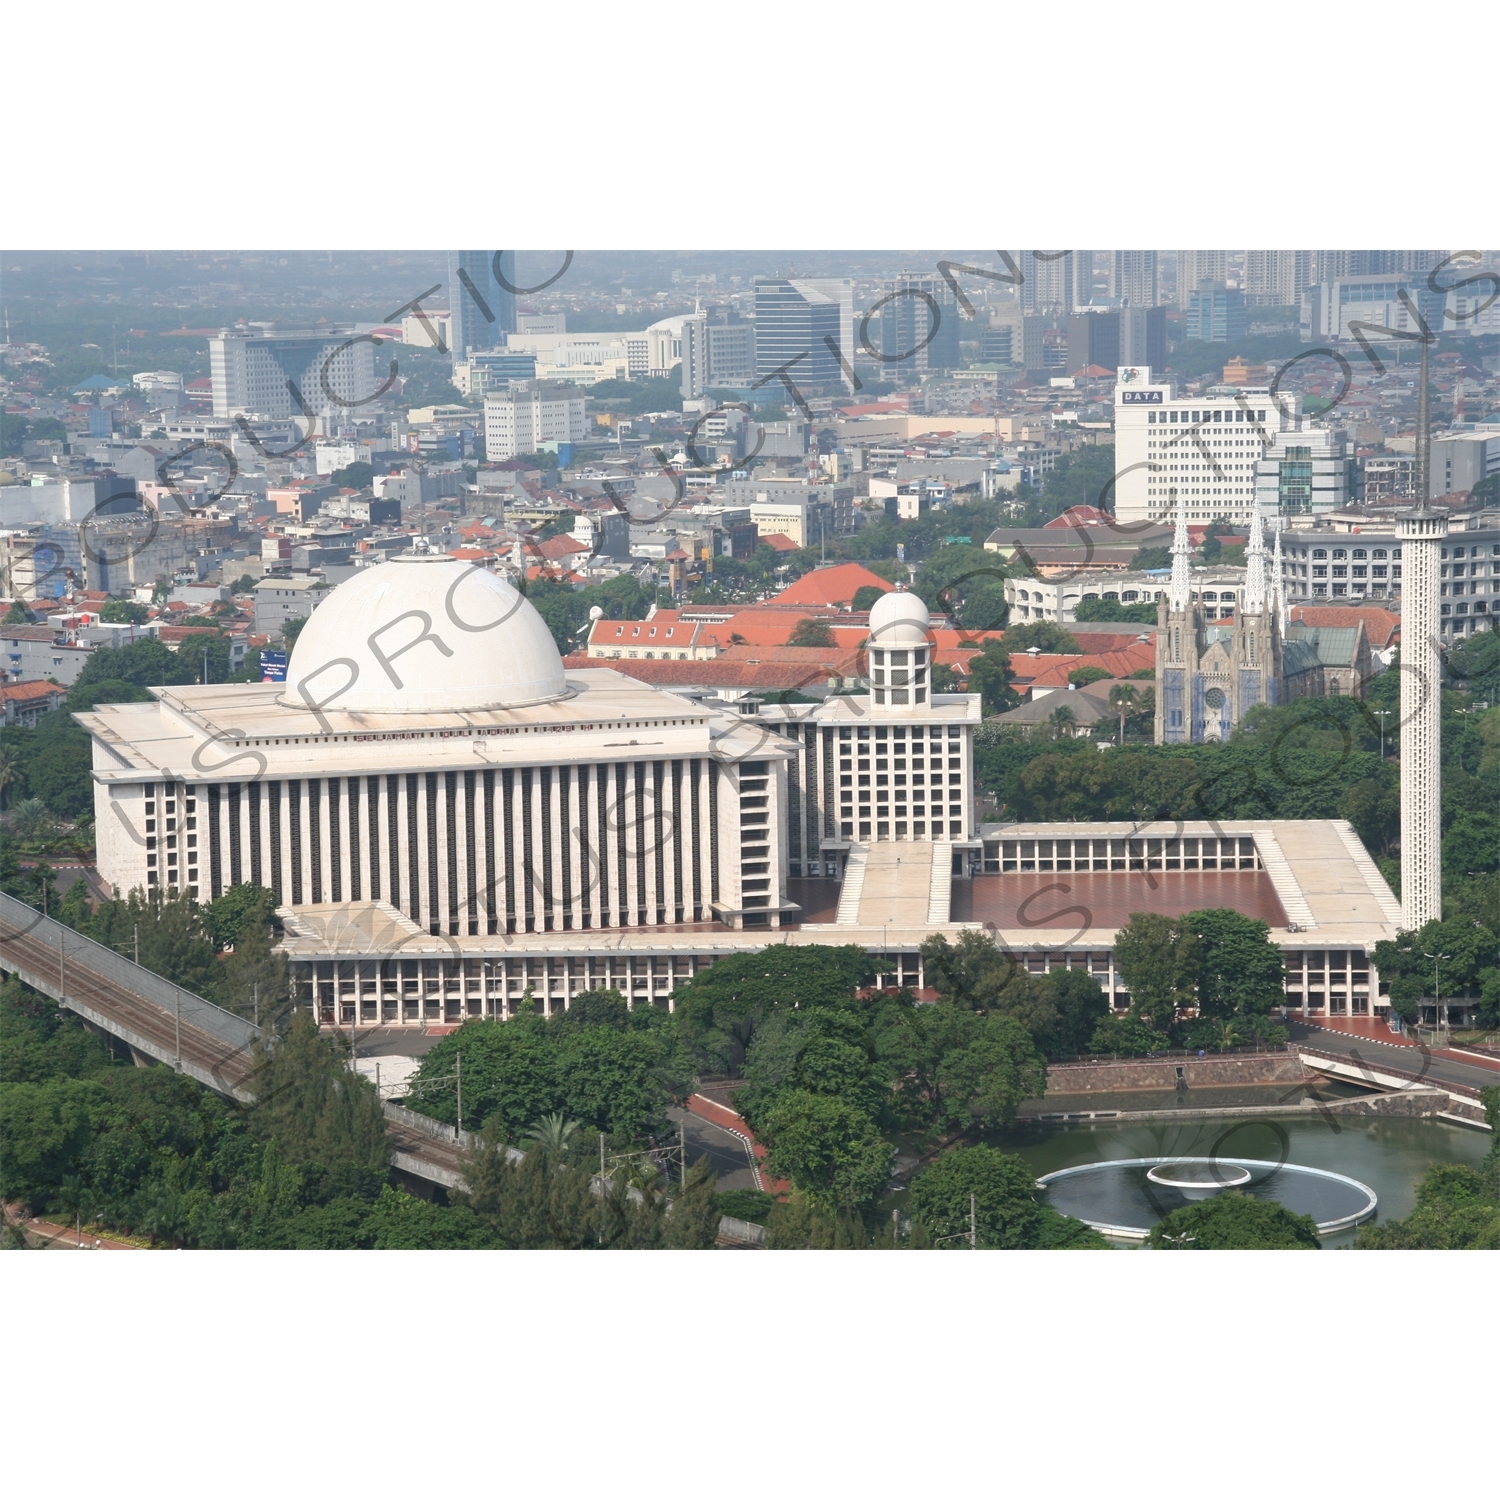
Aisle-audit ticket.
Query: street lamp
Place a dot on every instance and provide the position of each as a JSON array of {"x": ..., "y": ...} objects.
[
  {"x": 1437, "y": 1003},
  {"x": 1382, "y": 714}
]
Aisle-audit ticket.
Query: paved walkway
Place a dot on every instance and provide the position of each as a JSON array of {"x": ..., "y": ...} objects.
[{"x": 62, "y": 1236}]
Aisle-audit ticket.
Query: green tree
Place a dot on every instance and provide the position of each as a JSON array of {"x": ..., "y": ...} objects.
[
  {"x": 812, "y": 632},
  {"x": 990, "y": 676},
  {"x": 1044, "y": 635},
  {"x": 720, "y": 1010},
  {"x": 1156, "y": 959},
  {"x": 320, "y": 1112},
  {"x": 355, "y": 476},
  {"x": 1007, "y": 1211},
  {"x": 1458, "y": 1208},
  {"x": 123, "y": 612},
  {"x": 1236, "y": 968},
  {"x": 867, "y": 596},
  {"x": 1082, "y": 676},
  {"x": 1233, "y": 1221},
  {"x": 1109, "y": 611},
  {"x": 693, "y": 1220},
  {"x": 1468, "y": 952},
  {"x": 828, "y": 1149}
]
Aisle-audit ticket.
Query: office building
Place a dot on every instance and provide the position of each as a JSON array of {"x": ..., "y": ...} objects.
[
  {"x": 1143, "y": 336},
  {"x": 1304, "y": 471},
  {"x": 1461, "y": 460},
  {"x": 841, "y": 290},
  {"x": 482, "y": 310},
  {"x": 718, "y": 352},
  {"x": 523, "y": 418},
  {"x": 1342, "y": 308},
  {"x": 1093, "y": 340},
  {"x": 797, "y": 331},
  {"x": 280, "y": 370},
  {"x": 1198, "y": 268},
  {"x": 1133, "y": 279},
  {"x": 1203, "y": 448},
  {"x": 1216, "y": 314},
  {"x": 493, "y": 370},
  {"x": 1277, "y": 278},
  {"x": 918, "y": 326},
  {"x": 1055, "y": 281}
]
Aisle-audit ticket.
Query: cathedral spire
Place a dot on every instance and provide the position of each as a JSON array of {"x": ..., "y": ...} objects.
[
  {"x": 1255, "y": 569},
  {"x": 1180, "y": 591}
]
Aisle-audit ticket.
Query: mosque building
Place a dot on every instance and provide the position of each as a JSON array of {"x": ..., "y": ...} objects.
[{"x": 452, "y": 821}]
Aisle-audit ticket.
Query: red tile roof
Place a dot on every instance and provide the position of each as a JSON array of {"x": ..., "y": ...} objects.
[
  {"x": 824, "y": 587},
  {"x": 1382, "y": 626},
  {"x": 778, "y": 543},
  {"x": 30, "y": 692}
]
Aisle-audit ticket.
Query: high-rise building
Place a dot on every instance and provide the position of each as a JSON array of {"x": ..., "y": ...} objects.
[
  {"x": 717, "y": 350},
  {"x": 1196, "y": 268},
  {"x": 279, "y": 370},
  {"x": 797, "y": 331},
  {"x": 1143, "y": 336},
  {"x": 482, "y": 306},
  {"x": 1277, "y": 278},
  {"x": 841, "y": 290},
  {"x": 1093, "y": 339},
  {"x": 1304, "y": 471},
  {"x": 1133, "y": 278},
  {"x": 1378, "y": 301},
  {"x": 1216, "y": 314},
  {"x": 521, "y": 419},
  {"x": 1051, "y": 279},
  {"x": 1202, "y": 450},
  {"x": 918, "y": 328}
]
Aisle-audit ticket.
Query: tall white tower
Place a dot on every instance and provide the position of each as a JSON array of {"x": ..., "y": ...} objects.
[{"x": 1421, "y": 532}]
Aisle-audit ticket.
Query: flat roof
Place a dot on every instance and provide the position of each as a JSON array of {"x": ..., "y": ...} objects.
[{"x": 240, "y": 730}]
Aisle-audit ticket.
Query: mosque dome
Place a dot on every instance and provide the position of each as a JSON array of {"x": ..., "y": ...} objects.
[
  {"x": 899, "y": 619},
  {"x": 423, "y": 634}
]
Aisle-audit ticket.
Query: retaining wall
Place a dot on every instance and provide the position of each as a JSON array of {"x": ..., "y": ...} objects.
[{"x": 1154, "y": 1073}]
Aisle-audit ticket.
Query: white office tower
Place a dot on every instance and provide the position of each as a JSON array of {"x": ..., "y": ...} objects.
[
  {"x": 278, "y": 370},
  {"x": 1421, "y": 532},
  {"x": 1201, "y": 450},
  {"x": 521, "y": 419}
]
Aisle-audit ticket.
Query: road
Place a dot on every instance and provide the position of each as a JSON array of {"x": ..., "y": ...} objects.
[
  {"x": 1413, "y": 1062},
  {"x": 725, "y": 1150}
]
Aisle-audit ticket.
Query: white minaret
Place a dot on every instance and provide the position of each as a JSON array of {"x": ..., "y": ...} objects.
[
  {"x": 1421, "y": 532},
  {"x": 1255, "y": 569}
]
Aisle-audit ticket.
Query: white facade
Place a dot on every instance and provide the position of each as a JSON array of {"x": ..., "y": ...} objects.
[
  {"x": 521, "y": 419},
  {"x": 1303, "y": 471},
  {"x": 254, "y": 372},
  {"x": 1202, "y": 448},
  {"x": 1422, "y": 533}
]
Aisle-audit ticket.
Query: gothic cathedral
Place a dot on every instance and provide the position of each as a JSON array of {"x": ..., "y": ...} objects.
[{"x": 1209, "y": 675}]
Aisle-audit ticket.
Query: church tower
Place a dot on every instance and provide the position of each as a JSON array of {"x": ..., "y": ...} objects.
[{"x": 1210, "y": 674}]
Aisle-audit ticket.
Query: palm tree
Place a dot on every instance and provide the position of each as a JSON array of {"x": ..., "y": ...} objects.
[
  {"x": 553, "y": 1134},
  {"x": 1124, "y": 699},
  {"x": 10, "y": 770}
]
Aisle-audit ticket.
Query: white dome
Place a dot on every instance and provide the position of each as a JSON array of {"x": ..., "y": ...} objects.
[
  {"x": 899, "y": 619},
  {"x": 423, "y": 633}
]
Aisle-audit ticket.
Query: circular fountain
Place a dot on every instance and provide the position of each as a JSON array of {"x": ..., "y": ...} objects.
[
  {"x": 1125, "y": 1199},
  {"x": 1198, "y": 1177}
]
